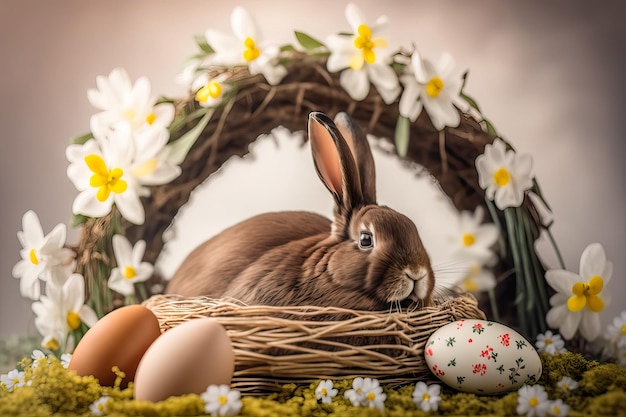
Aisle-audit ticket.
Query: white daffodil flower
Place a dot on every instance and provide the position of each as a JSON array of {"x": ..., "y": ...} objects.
[
  {"x": 580, "y": 297},
  {"x": 477, "y": 278},
  {"x": 210, "y": 92},
  {"x": 130, "y": 269},
  {"x": 220, "y": 400},
  {"x": 472, "y": 238},
  {"x": 325, "y": 391},
  {"x": 364, "y": 57},
  {"x": 62, "y": 310},
  {"x": 124, "y": 102},
  {"x": 101, "y": 170},
  {"x": 427, "y": 397},
  {"x": 435, "y": 87},
  {"x": 246, "y": 47},
  {"x": 43, "y": 257},
  {"x": 504, "y": 175},
  {"x": 151, "y": 164}
]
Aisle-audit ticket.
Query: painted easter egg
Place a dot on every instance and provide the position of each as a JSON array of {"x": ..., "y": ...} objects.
[
  {"x": 185, "y": 360},
  {"x": 120, "y": 339},
  {"x": 482, "y": 357}
]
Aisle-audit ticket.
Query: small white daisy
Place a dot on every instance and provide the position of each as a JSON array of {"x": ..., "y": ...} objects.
[
  {"x": 37, "y": 356},
  {"x": 427, "y": 397},
  {"x": 65, "y": 359},
  {"x": 567, "y": 384},
  {"x": 325, "y": 391},
  {"x": 550, "y": 343},
  {"x": 558, "y": 408},
  {"x": 533, "y": 401},
  {"x": 13, "y": 379},
  {"x": 366, "y": 392},
  {"x": 97, "y": 407},
  {"x": 221, "y": 401}
]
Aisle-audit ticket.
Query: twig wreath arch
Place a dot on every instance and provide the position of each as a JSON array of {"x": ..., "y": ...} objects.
[{"x": 256, "y": 108}]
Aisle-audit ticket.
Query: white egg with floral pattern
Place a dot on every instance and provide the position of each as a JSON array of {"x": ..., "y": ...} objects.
[{"x": 482, "y": 357}]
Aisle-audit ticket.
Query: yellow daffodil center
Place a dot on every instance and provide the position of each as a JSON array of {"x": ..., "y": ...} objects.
[
  {"x": 565, "y": 387},
  {"x": 426, "y": 396},
  {"x": 129, "y": 272},
  {"x": 324, "y": 392},
  {"x": 365, "y": 44},
  {"x": 470, "y": 285},
  {"x": 222, "y": 399},
  {"x": 146, "y": 168},
  {"x": 73, "y": 320},
  {"x": 586, "y": 294},
  {"x": 533, "y": 402},
  {"x": 623, "y": 329},
  {"x": 52, "y": 344},
  {"x": 548, "y": 341},
  {"x": 556, "y": 410},
  {"x": 501, "y": 177},
  {"x": 212, "y": 89},
  {"x": 151, "y": 118},
  {"x": 101, "y": 407},
  {"x": 33, "y": 257},
  {"x": 434, "y": 87},
  {"x": 129, "y": 115},
  {"x": 371, "y": 396},
  {"x": 251, "y": 52},
  {"x": 104, "y": 179},
  {"x": 469, "y": 239}
]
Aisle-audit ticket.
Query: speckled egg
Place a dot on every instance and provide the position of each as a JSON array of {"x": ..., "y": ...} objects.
[
  {"x": 185, "y": 360},
  {"x": 482, "y": 357}
]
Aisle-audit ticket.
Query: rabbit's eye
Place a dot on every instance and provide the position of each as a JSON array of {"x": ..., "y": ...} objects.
[{"x": 366, "y": 241}]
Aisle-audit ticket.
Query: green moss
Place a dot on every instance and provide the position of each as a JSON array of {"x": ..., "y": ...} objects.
[{"x": 53, "y": 391}]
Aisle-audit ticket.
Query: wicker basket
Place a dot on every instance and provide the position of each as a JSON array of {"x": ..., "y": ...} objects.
[{"x": 279, "y": 345}]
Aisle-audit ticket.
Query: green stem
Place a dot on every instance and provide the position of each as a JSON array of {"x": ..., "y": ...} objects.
[
  {"x": 509, "y": 218},
  {"x": 494, "y": 305},
  {"x": 555, "y": 247},
  {"x": 496, "y": 220}
]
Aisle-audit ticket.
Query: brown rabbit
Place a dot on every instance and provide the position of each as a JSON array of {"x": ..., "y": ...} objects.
[{"x": 369, "y": 258}]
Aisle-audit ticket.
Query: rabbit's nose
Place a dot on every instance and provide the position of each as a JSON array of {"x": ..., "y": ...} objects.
[{"x": 420, "y": 282}]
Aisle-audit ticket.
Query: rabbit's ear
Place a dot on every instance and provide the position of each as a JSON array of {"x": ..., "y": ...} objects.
[
  {"x": 357, "y": 141},
  {"x": 334, "y": 162}
]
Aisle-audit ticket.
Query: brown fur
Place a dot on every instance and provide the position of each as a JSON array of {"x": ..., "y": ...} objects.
[{"x": 298, "y": 258}]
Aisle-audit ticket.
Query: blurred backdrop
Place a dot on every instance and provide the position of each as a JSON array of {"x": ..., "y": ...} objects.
[{"x": 548, "y": 74}]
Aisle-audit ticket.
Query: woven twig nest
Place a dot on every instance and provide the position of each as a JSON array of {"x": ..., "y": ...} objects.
[
  {"x": 256, "y": 108},
  {"x": 279, "y": 345}
]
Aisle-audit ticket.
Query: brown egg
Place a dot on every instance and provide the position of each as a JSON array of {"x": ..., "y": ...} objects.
[
  {"x": 120, "y": 339},
  {"x": 185, "y": 359}
]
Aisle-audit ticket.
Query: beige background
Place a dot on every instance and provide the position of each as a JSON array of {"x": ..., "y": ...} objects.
[{"x": 549, "y": 74}]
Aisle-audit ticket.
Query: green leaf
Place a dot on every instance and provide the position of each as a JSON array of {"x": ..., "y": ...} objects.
[
  {"x": 78, "y": 220},
  {"x": 287, "y": 48},
  {"x": 80, "y": 140},
  {"x": 471, "y": 102},
  {"x": 491, "y": 129},
  {"x": 203, "y": 44},
  {"x": 179, "y": 148},
  {"x": 307, "y": 41},
  {"x": 402, "y": 135}
]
